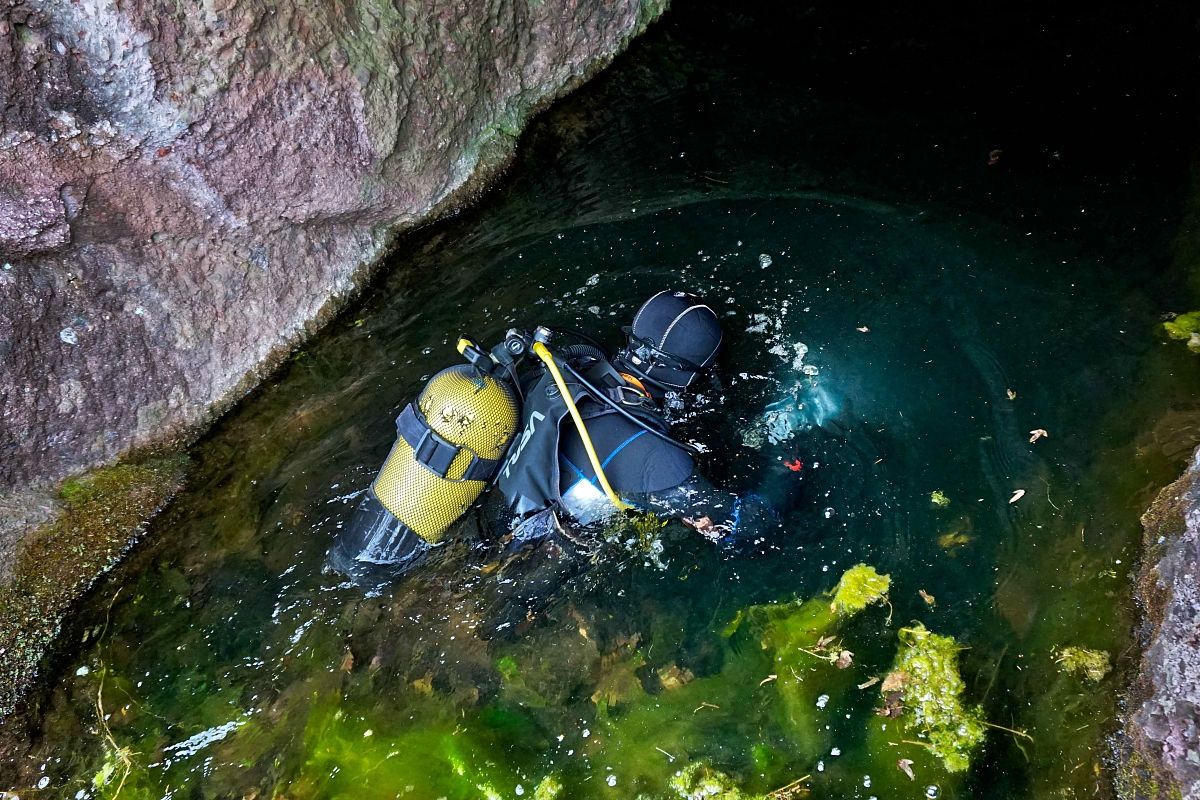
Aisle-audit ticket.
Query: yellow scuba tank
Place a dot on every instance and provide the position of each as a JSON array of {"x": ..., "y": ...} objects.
[{"x": 449, "y": 445}]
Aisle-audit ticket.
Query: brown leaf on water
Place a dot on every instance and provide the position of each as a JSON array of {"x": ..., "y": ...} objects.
[
  {"x": 929, "y": 599},
  {"x": 347, "y": 662},
  {"x": 894, "y": 681},
  {"x": 905, "y": 766},
  {"x": 1017, "y": 495},
  {"x": 1011, "y": 394},
  {"x": 869, "y": 682},
  {"x": 844, "y": 659},
  {"x": 1037, "y": 433}
]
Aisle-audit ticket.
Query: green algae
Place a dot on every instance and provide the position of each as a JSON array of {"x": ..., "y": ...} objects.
[
  {"x": 859, "y": 587},
  {"x": 1185, "y": 327},
  {"x": 102, "y": 514},
  {"x": 1092, "y": 665},
  {"x": 699, "y": 781},
  {"x": 939, "y": 498},
  {"x": 931, "y": 690},
  {"x": 777, "y": 676}
]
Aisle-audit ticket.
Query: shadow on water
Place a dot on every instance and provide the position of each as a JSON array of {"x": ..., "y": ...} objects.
[{"x": 892, "y": 306}]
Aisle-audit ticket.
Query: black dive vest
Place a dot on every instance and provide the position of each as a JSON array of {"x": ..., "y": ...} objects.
[{"x": 529, "y": 475}]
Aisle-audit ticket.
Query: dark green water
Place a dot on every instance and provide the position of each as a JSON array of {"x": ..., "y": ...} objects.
[{"x": 229, "y": 663}]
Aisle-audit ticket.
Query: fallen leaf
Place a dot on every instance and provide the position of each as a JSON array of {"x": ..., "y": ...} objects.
[
  {"x": 1011, "y": 394},
  {"x": 905, "y": 766},
  {"x": 844, "y": 659},
  {"x": 863, "y": 329},
  {"x": 1036, "y": 434},
  {"x": 869, "y": 682},
  {"x": 823, "y": 642},
  {"x": 794, "y": 465},
  {"x": 1017, "y": 495},
  {"x": 347, "y": 662},
  {"x": 893, "y": 705},
  {"x": 894, "y": 681},
  {"x": 929, "y": 599},
  {"x": 768, "y": 679}
]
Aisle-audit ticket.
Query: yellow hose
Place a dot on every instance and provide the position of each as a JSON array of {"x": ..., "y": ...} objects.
[{"x": 543, "y": 352}]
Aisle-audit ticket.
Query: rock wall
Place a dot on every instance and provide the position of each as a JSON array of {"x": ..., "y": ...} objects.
[
  {"x": 188, "y": 189},
  {"x": 1161, "y": 748}
]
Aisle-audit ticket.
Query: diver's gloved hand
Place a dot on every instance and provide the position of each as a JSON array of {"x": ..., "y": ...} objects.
[{"x": 755, "y": 521}]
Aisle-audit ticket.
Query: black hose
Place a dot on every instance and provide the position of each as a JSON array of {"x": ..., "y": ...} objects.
[
  {"x": 585, "y": 338},
  {"x": 687, "y": 448}
]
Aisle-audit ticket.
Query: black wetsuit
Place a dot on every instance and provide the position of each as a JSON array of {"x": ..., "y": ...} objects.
[{"x": 643, "y": 469}]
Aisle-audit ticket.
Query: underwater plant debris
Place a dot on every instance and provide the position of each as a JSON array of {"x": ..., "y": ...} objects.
[
  {"x": 932, "y": 692},
  {"x": 1090, "y": 664},
  {"x": 939, "y": 498}
]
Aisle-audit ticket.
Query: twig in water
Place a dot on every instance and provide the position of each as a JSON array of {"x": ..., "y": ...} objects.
[
  {"x": 665, "y": 753},
  {"x": 704, "y": 704},
  {"x": 120, "y": 753},
  {"x": 1048, "y": 500},
  {"x": 1007, "y": 730},
  {"x": 782, "y": 791}
]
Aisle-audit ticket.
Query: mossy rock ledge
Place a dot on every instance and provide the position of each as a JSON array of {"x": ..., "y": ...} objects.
[
  {"x": 101, "y": 515},
  {"x": 1160, "y": 744}
]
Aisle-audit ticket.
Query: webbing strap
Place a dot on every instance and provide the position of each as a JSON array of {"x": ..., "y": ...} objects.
[{"x": 435, "y": 453}]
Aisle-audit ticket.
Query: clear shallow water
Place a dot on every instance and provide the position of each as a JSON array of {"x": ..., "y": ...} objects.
[{"x": 228, "y": 663}]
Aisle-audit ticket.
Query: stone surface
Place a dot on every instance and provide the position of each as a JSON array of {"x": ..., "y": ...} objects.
[
  {"x": 187, "y": 190},
  {"x": 1162, "y": 733}
]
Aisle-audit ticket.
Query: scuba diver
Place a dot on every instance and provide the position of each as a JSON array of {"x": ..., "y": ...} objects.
[{"x": 482, "y": 423}]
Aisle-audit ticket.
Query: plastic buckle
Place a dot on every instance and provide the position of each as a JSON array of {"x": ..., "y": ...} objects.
[{"x": 435, "y": 453}]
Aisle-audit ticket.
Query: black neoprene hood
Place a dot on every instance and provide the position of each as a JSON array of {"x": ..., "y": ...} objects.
[{"x": 674, "y": 336}]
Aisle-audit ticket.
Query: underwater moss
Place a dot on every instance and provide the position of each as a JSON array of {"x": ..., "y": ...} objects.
[
  {"x": 1185, "y": 327},
  {"x": 1090, "y": 664},
  {"x": 859, "y": 587},
  {"x": 931, "y": 689},
  {"x": 939, "y": 498}
]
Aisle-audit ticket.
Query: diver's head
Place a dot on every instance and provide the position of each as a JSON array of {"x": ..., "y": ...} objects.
[{"x": 673, "y": 339}]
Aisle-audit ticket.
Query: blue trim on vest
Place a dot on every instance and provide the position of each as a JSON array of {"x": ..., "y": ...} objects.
[
  {"x": 578, "y": 471},
  {"x": 619, "y": 448}
]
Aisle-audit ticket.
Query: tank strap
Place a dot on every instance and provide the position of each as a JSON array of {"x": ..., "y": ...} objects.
[{"x": 434, "y": 452}]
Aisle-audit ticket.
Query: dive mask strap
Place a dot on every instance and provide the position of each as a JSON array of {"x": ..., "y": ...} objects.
[{"x": 646, "y": 351}]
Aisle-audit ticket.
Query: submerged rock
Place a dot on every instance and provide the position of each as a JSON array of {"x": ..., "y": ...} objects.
[{"x": 1161, "y": 744}]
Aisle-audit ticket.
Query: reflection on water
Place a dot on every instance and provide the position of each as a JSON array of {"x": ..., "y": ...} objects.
[{"x": 875, "y": 354}]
